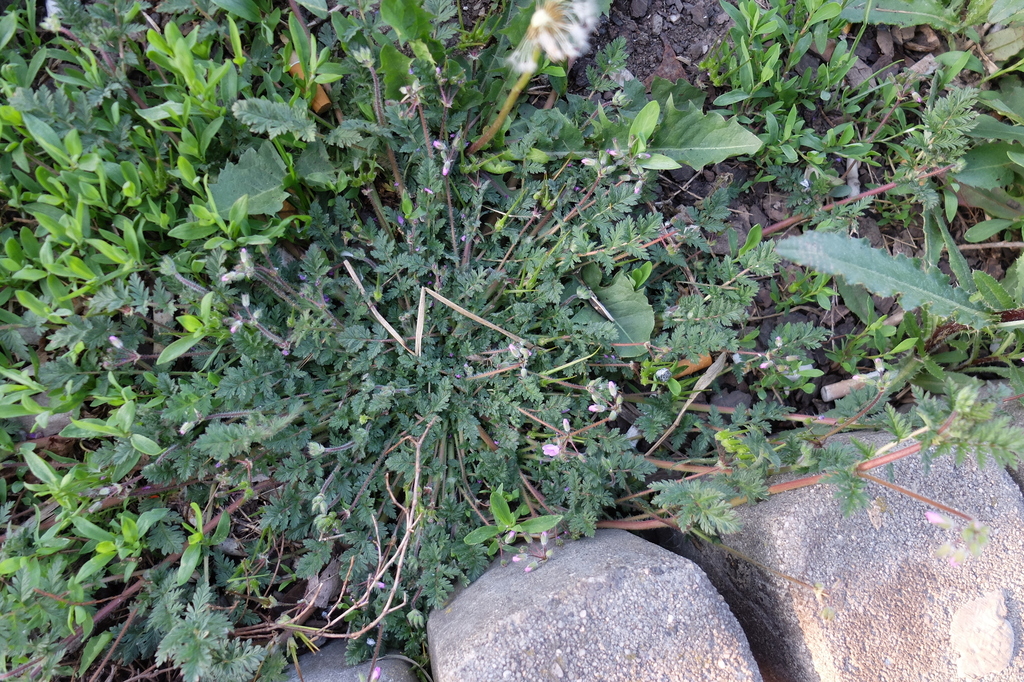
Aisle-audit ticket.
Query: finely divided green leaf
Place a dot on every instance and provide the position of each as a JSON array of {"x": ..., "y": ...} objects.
[
  {"x": 698, "y": 139},
  {"x": 882, "y": 274}
]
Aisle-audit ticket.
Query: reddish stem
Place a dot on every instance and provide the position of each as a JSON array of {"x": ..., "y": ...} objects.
[
  {"x": 789, "y": 222},
  {"x": 646, "y": 524}
]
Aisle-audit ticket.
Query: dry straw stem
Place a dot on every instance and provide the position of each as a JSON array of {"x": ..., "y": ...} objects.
[
  {"x": 422, "y": 314},
  {"x": 373, "y": 310},
  {"x": 701, "y": 384}
]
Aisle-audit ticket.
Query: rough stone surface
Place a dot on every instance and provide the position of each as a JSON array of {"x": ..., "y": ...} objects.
[
  {"x": 328, "y": 665},
  {"x": 610, "y": 608},
  {"x": 895, "y": 603},
  {"x": 982, "y": 636}
]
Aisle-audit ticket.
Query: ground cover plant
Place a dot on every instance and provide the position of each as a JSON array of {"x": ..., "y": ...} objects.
[{"x": 342, "y": 304}]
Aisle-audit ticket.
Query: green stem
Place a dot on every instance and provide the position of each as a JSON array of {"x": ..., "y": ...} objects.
[{"x": 499, "y": 120}]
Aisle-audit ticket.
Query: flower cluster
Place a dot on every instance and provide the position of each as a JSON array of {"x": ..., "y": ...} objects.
[
  {"x": 534, "y": 555},
  {"x": 606, "y": 397},
  {"x": 560, "y": 29}
]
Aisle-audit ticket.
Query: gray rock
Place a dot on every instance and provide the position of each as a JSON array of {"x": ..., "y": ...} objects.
[
  {"x": 699, "y": 16},
  {"x": 328, "y": 665},
  {"x": 893, "y": 611},
  {"x": 610, "y": 608},
  {"x": 638, "y": 8}
]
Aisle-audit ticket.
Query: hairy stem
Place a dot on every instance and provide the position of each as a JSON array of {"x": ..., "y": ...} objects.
[{"x": 499, "y": 120}]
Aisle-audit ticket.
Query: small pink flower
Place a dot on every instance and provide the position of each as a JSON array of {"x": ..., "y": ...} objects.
[
  {"x": 376, "y": 674},
  {"x": 551, "y": 450},
  {"x": 938, "y": 519},
  {"x": 115, "y": 342},
  {"x": 596, "y": 408}
]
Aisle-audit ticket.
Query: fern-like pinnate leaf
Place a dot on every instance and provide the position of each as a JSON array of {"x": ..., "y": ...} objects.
[
  {"x": 883, "y": 274},
  {"x": 275, "y": 118}
]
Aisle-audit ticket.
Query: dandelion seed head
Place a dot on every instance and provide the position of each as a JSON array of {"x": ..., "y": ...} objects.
[{"x": 559, "y": 28}]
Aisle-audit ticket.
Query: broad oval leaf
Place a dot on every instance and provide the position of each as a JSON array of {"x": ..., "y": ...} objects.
[
  {"x": 482, "y": 534},
  {"x": 698, "y": 139}
]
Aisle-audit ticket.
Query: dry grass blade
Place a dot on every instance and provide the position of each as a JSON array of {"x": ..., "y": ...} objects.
[
  {"x": 702, "y": 383},
  {"x": 373, "y": 309},
  {"x": 421, "y": 315},
  {"x": 462, "y": 311}
]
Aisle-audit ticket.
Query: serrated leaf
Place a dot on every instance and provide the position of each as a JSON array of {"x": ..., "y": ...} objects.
[
  {"x": 935, "y": 13},
  {"x": 631, "y": 313},
  {"x": 882, "y": 274},
  {"x": 264, "y": 116},
  {"x": 259, "y": 174},
  {"x": 993, "y": 292},
  {"x": 343, "y": 137},
  {"x": 698, "y": 139}
]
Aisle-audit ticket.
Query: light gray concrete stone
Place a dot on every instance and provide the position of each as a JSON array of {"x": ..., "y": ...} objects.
[
  {"x": 900, "y": 613},
  {"x": 613, "y": 608},
  {"x": 328, "y": 665}
]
